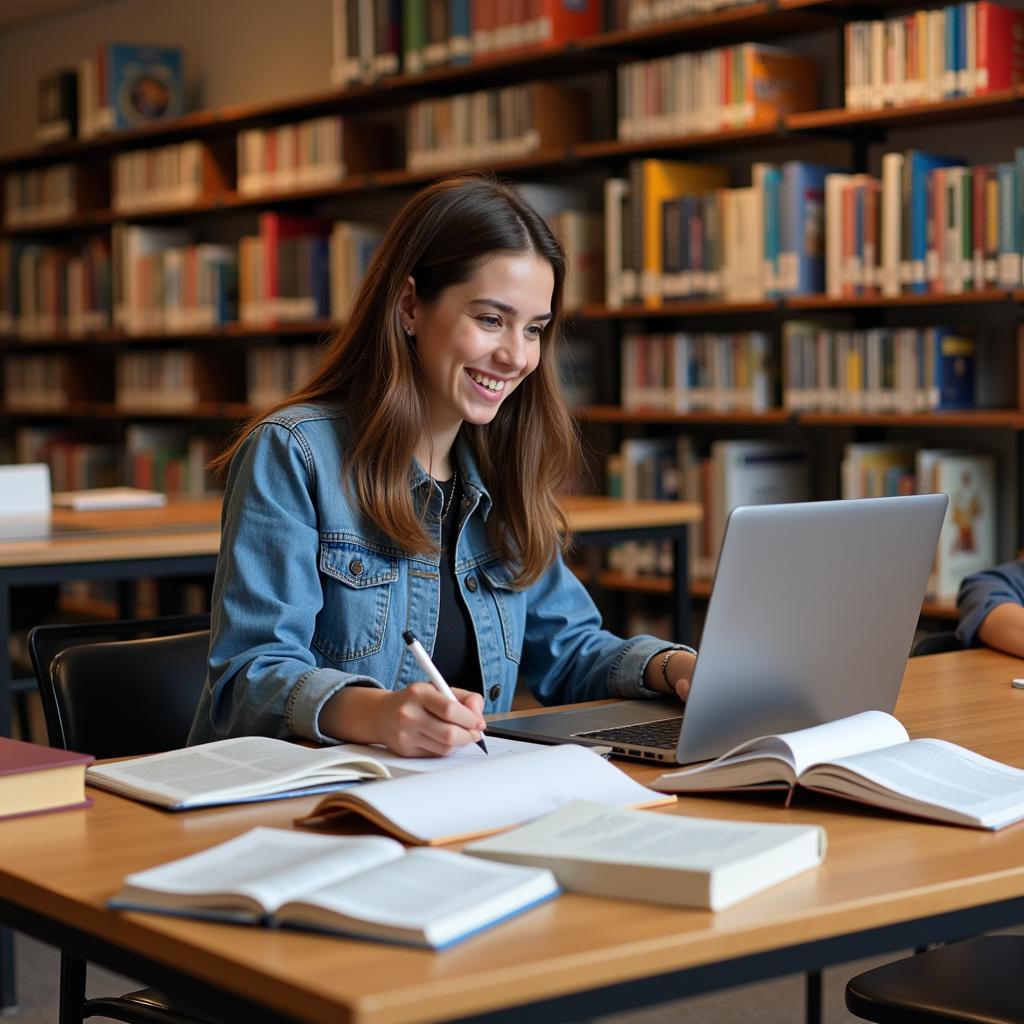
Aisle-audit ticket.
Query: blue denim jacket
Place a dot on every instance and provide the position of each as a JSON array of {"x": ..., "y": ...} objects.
[{"x": 309, "y": 597}]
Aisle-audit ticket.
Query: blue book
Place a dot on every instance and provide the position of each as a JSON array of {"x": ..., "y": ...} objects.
[
  {"x": 802, "y": 228},
  {"x": 770, "y": 211},
  {"x": 917, "y": 166},
  {"x": 319, "y": 271},
  {"x": 461, "y": 31},
  {"x": 142, "y": 85},
  {"x": 1009, "y": 227},
  {"x": 949, "y": 49},
  {"x": 953, "y": 354}
]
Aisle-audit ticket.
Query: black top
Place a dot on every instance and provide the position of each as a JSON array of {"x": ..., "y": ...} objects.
[{"x": 455, "y": 653}]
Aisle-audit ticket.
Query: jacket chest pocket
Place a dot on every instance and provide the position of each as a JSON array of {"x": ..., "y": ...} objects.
[
  {"x": 357, "y": 585},
  {"x": 509, "y": 606}
]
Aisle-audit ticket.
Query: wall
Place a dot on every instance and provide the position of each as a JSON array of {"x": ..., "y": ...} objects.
[{"x": 236, "y": 51}]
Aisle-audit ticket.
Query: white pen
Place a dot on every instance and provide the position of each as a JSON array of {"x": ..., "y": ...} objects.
[{"x": 433, "y": 676}]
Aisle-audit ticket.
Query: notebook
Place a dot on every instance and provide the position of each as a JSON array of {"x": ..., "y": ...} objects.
[{"x": 811, "y": 618}]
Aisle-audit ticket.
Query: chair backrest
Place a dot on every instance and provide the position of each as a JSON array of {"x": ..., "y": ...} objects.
[
  {"x": 119, "y": 688},
  {"x": 936, "y": 643}
]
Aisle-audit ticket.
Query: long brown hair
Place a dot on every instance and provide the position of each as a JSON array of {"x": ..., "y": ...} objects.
[{"x": 526, "y": 454}]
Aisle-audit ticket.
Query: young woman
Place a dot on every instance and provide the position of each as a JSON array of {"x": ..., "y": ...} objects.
[{"x": 410, "y": 485}]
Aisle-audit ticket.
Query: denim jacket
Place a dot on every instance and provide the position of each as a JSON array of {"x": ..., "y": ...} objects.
[{"x": 309, "y": 597}]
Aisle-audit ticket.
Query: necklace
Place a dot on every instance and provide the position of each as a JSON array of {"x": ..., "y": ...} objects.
[{"x": 451, "y": 495}]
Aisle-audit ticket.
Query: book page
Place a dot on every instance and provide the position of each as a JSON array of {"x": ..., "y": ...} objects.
[
  {"x": 803, "y": 747},
  {"x": 268, "y": 865},
  {"x": 616, "y": 835},
  {"x": 430, "y": 897},
  {"x": 466, "y": 755},
  {"x": 936, "y": 774},
  {"x": 486, "y": 796},
  {"x": 246, "y": 766}
]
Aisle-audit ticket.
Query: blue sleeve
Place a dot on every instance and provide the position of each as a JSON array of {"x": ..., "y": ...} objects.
[
  {"x": 263, "y": 679},
  {"x": 568, "y": 657},
  {"x": 983, "y": 591}
]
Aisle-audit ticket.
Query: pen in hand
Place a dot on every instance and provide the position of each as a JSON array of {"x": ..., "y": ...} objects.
[{"x": 433, "y": 676}]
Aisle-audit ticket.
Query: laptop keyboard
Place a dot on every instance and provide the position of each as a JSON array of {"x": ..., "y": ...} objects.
[{"x": 664, "y": 733}]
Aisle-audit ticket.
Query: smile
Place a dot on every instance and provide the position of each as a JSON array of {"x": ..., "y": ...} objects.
[{"x": 491, "y": 384}]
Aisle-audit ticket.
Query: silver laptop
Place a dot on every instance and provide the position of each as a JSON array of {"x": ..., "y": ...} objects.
[{"x": 812, "y": 615}]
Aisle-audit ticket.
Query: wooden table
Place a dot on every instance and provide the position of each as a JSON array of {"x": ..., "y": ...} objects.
[
  {"x": 182, "y": 539},
  {"x": 887, "y": 883}
]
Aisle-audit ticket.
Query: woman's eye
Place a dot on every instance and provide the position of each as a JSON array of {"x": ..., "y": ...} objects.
[
  {"x": 535, "y": 330},
  {"x": 489, "y": 320}
]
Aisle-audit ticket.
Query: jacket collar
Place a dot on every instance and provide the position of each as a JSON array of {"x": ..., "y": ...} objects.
[{"x": 469, "y": 473}]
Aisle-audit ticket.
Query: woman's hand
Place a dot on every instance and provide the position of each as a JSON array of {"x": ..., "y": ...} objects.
[
  {"x": 414, "y": 722},
  {"x": 678, "y": 671}
]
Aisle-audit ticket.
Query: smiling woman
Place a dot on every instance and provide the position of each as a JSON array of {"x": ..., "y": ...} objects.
[{"x": 410, "y": 485}]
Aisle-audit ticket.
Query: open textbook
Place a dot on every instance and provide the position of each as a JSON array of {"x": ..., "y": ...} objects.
[
  {"x": 240, "y": 770},
  {"x": 365, "y": 886},
  {"x": 659, "y": 858},
  {"x": 869, "y": 757},
  {"x": 487, "y": 795}
]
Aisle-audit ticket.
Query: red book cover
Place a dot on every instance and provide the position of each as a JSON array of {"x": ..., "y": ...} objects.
[
  {"x": 1000, "y": 33},
  {"x": 273, "y": 228},
  {"x": 35, "y": 778},
  {"x": 565, "y": 20}
]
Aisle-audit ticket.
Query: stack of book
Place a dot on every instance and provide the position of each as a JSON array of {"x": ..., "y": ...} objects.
[
  {"x": 43, "y": 196},
  {"x": 162, "y": 177}
]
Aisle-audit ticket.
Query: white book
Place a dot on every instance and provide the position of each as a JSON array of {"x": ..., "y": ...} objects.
[
  {"x": 869, "y": 758},
  {"x": 239, "y": 770},
  {"x": 616, "y": 192},
  {"x": 485, "y": 795},
  {"x": 892, "y": 222},
  {"x": 362, "y": 886},
  {"x": 834, "y": 278},
  {"x": 658, "y": 858},
  {"x": 100, "y": 498}
]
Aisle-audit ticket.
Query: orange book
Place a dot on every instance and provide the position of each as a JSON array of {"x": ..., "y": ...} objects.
[{"x": 776, "y": 83}]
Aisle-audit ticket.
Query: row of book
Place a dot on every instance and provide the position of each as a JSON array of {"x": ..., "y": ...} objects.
[
  {"x": 272, "y": 372},
  {"x": 372, "y": 40},
  {"x": 161, "y": 177},
  {"x": 492, "y": 125},
  {"x": 692, "y": 372},
  {"x": 965, "y": 49},
  {"x": 929, "y": 224},
  {"x": 700, "y": 93},
  {"x": 291, "y": 157},
  {"x": 121, "y": 86},
  {"x": 758, "y": 472},
  {"x": 40, "y": 196},
  {"x": 903, "y": 369},
  {"x": 641, "y": 13}
]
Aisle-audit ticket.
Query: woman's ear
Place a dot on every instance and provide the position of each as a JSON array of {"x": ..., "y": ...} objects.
[{"x": 407, "y": 306}]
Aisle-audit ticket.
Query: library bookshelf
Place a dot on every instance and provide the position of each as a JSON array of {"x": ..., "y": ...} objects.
[{"x": 592, "y": 61}]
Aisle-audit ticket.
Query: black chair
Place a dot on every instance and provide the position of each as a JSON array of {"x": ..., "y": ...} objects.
[
  {"x": 114, "y": 689},
  {"x": 936, "y": 643},
  {"x": 970, "y": 982}
]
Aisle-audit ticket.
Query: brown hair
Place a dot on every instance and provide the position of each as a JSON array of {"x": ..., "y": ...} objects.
[{"x": 526, "y": 454}]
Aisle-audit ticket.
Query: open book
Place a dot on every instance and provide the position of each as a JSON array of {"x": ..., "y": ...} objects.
[
  {"x": 365, "y": 886},
  {"x": 869, "y": 757},
  {"x": 240, "y": 770},
  {"x": 659, "y": 858},
  {"x": 487, "y": 795}
]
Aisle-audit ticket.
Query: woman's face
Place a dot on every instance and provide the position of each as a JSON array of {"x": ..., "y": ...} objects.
[{"x": 481, "y": 338}]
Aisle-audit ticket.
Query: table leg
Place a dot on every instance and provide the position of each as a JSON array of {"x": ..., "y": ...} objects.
[{"x": 8, "y": 995}]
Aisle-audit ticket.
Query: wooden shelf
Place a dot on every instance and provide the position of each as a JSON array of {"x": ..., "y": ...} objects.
[
  {"x": 1003, "y": 103},
  {"x": 990, "y": 296},
  {"x": 674, "y": 143},
  {"x": 972, "y": 418},
  {"x": 697, "y": 308},
  {"x": 115, "y": 337},
  {"x": 616, "y": 414}
]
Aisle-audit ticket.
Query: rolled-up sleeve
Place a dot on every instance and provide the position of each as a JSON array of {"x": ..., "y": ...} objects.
[
  {"x": 568, "y": 657},
  {"x": 263, "y": 678},
  {"x": 983, "y": 591}
]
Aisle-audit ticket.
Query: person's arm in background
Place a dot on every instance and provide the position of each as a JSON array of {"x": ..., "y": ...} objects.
[{"x": 991, "y": 609}]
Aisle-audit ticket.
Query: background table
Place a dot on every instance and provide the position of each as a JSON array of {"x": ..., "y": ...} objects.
[{"x": 887, "y": 883}]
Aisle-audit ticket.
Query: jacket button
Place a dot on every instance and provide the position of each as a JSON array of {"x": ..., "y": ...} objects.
[
  {"x": 355, "y": 567},
  {"x": 494, "y": 692},
  {"x": 471, "y": 584}
]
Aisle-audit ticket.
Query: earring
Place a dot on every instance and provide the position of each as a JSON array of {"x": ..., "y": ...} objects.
[{"x": 407, "y": 329}]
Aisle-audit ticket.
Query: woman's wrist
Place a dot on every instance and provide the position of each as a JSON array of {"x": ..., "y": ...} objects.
[
  {"x": 353, "y": 714},
  {"x": 667, "y": 669}
]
